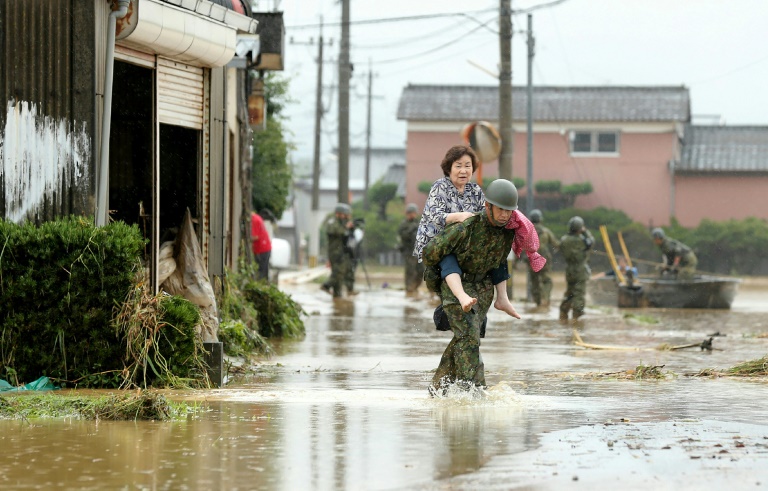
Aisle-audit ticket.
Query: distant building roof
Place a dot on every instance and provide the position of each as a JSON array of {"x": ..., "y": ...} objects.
[
  {"x": 711, "y": 149},
  {"x": 586, "y": 104}
]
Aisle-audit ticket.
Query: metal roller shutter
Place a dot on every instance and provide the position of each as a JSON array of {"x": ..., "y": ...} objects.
[{"x": 179, "y": 94}]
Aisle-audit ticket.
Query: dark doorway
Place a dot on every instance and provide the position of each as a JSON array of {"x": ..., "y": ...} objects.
[
  {"x": 130, "y": 142},
  {"x": 179, "y": 169}
]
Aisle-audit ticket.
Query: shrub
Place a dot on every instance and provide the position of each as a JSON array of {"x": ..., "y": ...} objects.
[
  {"x": 547, "y": 186},
  {"x": 278, "y": 315},
  {"x": 577, "y": 189},
  {"x": 424, "y": 187},
  {"x": 162, "y": 346},
  {"x": 58, "y": 285}
]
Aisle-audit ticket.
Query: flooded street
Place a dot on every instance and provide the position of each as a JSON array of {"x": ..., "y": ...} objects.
[{"x": 347, "y": 408}]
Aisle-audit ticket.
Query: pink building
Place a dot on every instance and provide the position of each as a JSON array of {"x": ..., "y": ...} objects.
[{"x": 635, "y": 145}]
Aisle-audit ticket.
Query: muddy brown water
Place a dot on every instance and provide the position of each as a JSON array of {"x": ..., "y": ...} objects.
[{"x": 347, "y": 408}]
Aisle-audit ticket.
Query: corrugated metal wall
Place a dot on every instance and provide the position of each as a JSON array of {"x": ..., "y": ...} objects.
[{"x": 47, "y": 118}]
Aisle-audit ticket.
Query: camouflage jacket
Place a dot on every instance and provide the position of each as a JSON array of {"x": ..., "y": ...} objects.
[
  {"x": 672, "y": 248},
  {"x": 338, "y": 238},
  {"x": 576, "y": 250},
  {"x": 548, "y": 243},
  {"x": 407, "y": 235},
  {"x": 478, "y": 245}
]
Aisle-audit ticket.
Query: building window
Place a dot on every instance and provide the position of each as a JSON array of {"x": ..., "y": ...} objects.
[{"x": 595, "y": 142}]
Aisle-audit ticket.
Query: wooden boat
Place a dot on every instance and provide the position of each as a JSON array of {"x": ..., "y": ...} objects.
[{"x": 702, "y": 292}]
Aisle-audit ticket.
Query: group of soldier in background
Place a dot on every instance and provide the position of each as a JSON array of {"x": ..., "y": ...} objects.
[{"x": 575, "y": 247}]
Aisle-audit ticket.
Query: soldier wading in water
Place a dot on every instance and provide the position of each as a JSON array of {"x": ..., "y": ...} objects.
[{"x": 481, "y": 244}]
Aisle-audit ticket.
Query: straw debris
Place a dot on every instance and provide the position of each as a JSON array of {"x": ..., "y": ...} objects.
[{"x": 134, "y": 406}]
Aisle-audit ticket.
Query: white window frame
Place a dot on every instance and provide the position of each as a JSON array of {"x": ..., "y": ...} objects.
[{"x": 593, "y": 146}]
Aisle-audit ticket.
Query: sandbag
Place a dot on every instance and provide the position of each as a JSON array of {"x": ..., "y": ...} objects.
[
  {"x": 166, "y": 264},
  {"x": 190, "y": 279}
]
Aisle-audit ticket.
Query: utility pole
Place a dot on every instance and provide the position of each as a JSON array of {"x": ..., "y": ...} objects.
[
  {"x": 529, "y": 122},
  {"x": 505, "y": 89},
  {"x": 366, "y": 203},
  {"x": 529, "y": 136},
  {"x": 345, "y": 72},
  {"x": 318, "y": 121},
  {"x": 505, "y": 105},
  {"x": 315, "y": 214}
]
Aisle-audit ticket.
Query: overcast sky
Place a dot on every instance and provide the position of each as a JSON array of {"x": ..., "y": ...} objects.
[{"x": 716, "y": 48}]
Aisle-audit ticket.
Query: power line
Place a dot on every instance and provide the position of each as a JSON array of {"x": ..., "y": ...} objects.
[
  {"x": 405, "y": 41},
  {"x": 397, "y": 19},
  {"x": 438, "y": 48}
]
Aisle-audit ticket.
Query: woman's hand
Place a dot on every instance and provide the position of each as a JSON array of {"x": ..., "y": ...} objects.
[{"x": 457, "y": 217}]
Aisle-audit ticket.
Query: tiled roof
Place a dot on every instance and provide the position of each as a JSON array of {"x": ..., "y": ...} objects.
[
  {"x": 552, "y": 104},
  {"x": 724, "y": 149}
]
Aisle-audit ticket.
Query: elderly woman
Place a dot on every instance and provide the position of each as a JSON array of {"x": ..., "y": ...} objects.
[{"x": 453, "y": 199}]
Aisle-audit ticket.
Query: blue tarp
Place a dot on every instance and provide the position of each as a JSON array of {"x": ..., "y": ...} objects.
[{"x": 43, "y": 383}]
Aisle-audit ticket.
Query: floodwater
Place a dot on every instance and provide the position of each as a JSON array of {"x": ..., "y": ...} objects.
[{"x": 347, "y": 408}]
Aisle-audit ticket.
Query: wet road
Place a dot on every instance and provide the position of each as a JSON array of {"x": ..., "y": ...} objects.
[{"x": 347, "y": 409}]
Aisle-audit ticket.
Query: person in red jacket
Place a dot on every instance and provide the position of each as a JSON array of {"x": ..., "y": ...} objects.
[{"x": 262, "y": 245}]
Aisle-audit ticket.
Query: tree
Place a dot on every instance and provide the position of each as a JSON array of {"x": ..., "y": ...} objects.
[
  {"x": 271, "y": 173},
  {"x": 381, "y": 194}
]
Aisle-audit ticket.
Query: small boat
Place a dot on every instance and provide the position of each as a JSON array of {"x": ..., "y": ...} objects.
[{"x": 702, "y": 292}]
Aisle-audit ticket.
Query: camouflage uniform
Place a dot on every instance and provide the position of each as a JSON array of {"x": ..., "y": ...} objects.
[
  {"x": 541, "y": 282},
  {"x": 340, "y": 256},
  {"x": 671, "y": 249},
  {"x": 414, "y": 270},
  {"x": 479, "y": 247},
  {"x": 576, "y": 248}
]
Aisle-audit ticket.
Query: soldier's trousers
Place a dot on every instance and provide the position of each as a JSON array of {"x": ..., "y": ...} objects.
[
  {"x": 687, "y": 268},
  {"x": 414, "y": 272},
  {"x": 541, "y": 285},
  {"x": 575, "y": 298},
  {"x": 461, "y": 359},
  {"x": 341, "y": 270}
]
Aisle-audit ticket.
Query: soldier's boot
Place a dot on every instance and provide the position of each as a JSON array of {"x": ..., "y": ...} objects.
[{"x": 563, "y": 316}]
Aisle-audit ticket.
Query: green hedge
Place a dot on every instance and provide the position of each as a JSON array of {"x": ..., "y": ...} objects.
[{"x": 59, "y": 284}]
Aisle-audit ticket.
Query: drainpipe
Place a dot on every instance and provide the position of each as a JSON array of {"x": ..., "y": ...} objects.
[{"x": 101, "y": 204}]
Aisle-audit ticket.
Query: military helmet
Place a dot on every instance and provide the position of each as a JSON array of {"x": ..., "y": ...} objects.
[
  {"x": 343, "y": 208},
  {"x": 535, "y": 216},
  {"x": 657, "y": 233},
  {"x": 411, "y": 208},
  {"x": 502, "y": 193},
  {"x": 575, "y": 224}
]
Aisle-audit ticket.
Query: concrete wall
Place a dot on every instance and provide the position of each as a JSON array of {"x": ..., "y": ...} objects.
[{"x": 720, "y": 198}]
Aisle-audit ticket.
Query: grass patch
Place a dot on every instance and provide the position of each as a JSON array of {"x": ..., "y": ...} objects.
[
  {"x": 134, "y": 406},
  {"x": 753, "y": 368},
  {"x": 640, "y": 372}
]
